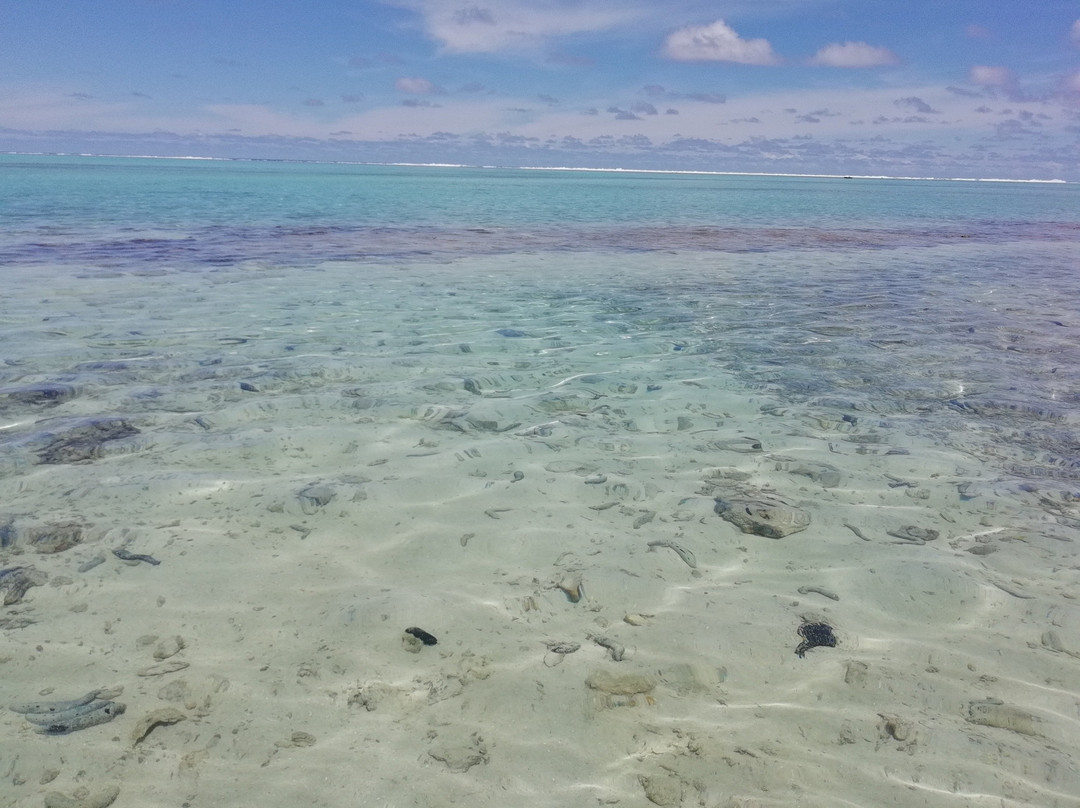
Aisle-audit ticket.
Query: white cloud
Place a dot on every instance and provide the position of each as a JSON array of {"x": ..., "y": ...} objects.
[
  {"x": 853, "y": 54},
  {"x": 1074, "y": 32},
  {"x": 1069, "y": 89},
  {"x": 717, "y": 42},
  {"x": 700, "y": 115},
  {"x": 987, "y": 76},
  {"x": 997, "y": 79},
  {"x": 821, "y": 118},
  {"x": 491, "y": 26},
  {"x": 414, "y": 86}
]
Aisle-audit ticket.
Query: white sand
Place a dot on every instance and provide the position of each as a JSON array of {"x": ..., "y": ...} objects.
[{"x": 298, "y": 688}]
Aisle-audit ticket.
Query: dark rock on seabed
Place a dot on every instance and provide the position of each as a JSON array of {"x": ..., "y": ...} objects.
[{"x": 84, "y": 440}]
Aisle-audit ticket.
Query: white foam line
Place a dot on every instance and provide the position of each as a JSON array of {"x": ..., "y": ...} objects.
[{"x": 545, "y": 168}]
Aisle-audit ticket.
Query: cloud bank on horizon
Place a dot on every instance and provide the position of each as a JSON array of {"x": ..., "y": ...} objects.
[{"x": 983, "y": 88}]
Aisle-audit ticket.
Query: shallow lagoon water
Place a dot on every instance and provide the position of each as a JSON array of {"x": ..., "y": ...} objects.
[{"x": 512, "y": 429}]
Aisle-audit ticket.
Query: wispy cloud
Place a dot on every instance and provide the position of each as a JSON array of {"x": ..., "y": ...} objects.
[
  {"x": 853, "y": 54},
  {"x": 917, "y": 104},
  {"x": 989, "y": 76},
  {"x": 996, "y": 79},
  {"x": 1069, "y": 90},
  {"x": 42, "y": 106},
  {"x": 717, "y": 42},
  {"x": 845, "y": 128},
  {"x": 659, "y": 91},
  {"x": 503, "y": 25},
  {"x": 416, "y": 86}
]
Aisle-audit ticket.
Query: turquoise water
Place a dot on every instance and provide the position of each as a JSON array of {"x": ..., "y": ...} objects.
[
  {"x": 1008, "y": 278},
  {"x": 335, "y": 401},
  {"x": 114, "y": 209}
]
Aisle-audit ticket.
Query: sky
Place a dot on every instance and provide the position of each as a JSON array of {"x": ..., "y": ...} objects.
[{"x": 970, "y": 88}]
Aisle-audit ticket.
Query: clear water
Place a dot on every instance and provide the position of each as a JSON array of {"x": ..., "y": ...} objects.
[
  {"x": 117, "y": 210},
  {"x": 410, "y": 337}
]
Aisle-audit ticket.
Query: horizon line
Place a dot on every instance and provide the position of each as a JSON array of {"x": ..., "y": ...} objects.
[{"x": 701, "y": 172}]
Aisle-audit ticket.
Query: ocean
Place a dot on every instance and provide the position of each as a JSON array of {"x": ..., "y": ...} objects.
[{"x": 719, "y": 490}]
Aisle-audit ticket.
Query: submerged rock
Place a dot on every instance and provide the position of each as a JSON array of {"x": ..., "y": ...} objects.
[
  {"x": 84, "y": 440},
  {"x": 15, "y": 581},
  {"x": 825, "y": 475},
  {"x": 914, "y": 534},
  {"x": 54, "y": 538},
  {"x": 1001, "y": 408},
  {"x": 621, "y": 684},
  {"x": 742, "y": 445},
  {"x": 38, "y": 395},
  {"x": 993, "y": 713},
  {"x": 771, "y": 518},
  {"x": 84, "y": 798},
  {"x": 315, "y": 497},
  {"x": 48, "y": 537}
]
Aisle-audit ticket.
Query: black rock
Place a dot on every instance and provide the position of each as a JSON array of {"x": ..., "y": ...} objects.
[
  {"x": 423, "y": 636},
  {"x": 815, "y": 635}
]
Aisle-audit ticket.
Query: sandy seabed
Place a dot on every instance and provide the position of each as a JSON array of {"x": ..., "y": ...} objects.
[{"x": 536, "y": 480}]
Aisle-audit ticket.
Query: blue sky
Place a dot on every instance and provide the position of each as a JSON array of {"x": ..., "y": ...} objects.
[{"x": 977, "y": 88}]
